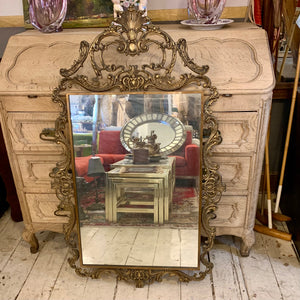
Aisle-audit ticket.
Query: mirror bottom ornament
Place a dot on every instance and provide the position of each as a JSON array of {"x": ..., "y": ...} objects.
[{"x": 126, "y": 79}]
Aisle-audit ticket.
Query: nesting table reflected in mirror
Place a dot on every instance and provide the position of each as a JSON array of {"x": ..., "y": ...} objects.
[{"x": 124, "y": 184}]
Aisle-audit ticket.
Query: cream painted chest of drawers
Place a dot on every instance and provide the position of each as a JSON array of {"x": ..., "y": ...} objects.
[{"x": 240, "y": 67}]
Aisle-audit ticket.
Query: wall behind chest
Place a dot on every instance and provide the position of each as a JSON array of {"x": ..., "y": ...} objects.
[{"x": 12, "y": 15}]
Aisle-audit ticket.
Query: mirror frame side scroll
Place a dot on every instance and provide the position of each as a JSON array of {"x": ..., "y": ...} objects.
[{"x": 133, "y": 34}]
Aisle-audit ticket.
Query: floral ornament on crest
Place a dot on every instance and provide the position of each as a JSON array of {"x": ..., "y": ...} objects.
[{"x": 121, "y": 5}]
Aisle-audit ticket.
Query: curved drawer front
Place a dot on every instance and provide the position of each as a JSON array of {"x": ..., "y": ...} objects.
[
  {"x": 35, "y": 169},
  {"x": 238, "y": 103},
  {"x": 231, "y": 211},
  {"x": 235, "y": 173},
  {"x": 43, "y": 57},
  {"x": 42, "y": 208},
  {"x": 238, "y": 130},
  {"x": 25, "y": 129},
  {"x": 29, "y": 103}
]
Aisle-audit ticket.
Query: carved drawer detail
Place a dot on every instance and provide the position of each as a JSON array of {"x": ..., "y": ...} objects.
[
  {"x": 29, "y": 103},
  {"x": 237, "y": 103},
  {"x": 231, "y": 211},
  {"x": 238, "y": 131},
  {"x": 35, "y": 170},
  {"x": 235, "y": 173},
  {"x": 25, "y": 129},
  {"x": 43, "y": 67},
  {"x": 231, "y": 60},
  {"x": 42, "y": 208}
]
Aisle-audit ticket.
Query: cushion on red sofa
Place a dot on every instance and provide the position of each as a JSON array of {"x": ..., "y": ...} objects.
[
  {"x": 109, "y": 142},
  {"x": 192, "y": 157},
  {"x": 188, "y": 141},
  {"x": 81, "y": 165}
]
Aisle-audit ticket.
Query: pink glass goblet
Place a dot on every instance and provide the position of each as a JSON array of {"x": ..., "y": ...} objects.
[
  {"x": 47, "y": 15},
  {"x": 205, "y": 11}
]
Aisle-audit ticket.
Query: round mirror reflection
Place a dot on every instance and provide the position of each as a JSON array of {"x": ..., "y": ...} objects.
[
  {"x": 169, "y": 130},
  {"x": 165, "y": 133}
]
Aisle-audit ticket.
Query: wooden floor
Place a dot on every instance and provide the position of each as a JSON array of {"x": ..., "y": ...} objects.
[{"x": 272, "y": 271}]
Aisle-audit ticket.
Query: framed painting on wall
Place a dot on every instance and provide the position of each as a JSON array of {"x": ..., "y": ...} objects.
[{"x": 81, "y": 13}]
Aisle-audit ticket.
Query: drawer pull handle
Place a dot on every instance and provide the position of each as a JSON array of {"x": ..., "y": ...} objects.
[
  {"x": 214, "y": 216},
  {"x": 227, "y": 95},
  {"x": 32, "y": 96},
  {"x": 48, "y": 134}
]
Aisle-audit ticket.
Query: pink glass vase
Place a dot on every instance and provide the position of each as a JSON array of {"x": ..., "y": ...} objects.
[
  {"x": 205, "y": 11},
  {"x": 47, "y": 15}
]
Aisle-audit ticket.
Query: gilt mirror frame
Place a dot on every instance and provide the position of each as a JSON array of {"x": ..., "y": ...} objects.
[{"x": 132, "y": 33}]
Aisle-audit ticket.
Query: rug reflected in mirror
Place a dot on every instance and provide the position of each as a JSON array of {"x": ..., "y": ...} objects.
[{"x": 183, "y": 211}]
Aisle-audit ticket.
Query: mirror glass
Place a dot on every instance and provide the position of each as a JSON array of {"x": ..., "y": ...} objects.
[
  {"x": 159, "y": 126},
  {"x": 137, "y": 176}
]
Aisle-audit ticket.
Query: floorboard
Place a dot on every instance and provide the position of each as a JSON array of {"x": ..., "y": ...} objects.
[
  {"x": 272, "y": 271},
  {"x": 16, "y": 271},
  {"x": 238, "y": 272},
  {"x": 129, "y": 291},
  {"x": 196, "y": 290},
  {"x": 103, "y": 289},
  {"x": 4, "y": 220},
  {"x": 48, "y": 263},
  {"x": 259, "y": 277},
  {"x": 10, "y": 238},
  {"x": 68, "y": 285},
  {"x": 285, "y": 266},
  {"x": 227, "y": 282},
  {"x": 169, "y": 290}
]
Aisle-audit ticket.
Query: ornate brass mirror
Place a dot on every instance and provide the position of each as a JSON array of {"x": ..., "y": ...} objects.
[{"x": 137, "y": 179}]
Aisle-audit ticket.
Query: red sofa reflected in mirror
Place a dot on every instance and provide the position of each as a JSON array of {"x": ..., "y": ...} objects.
[{"x": 110, "y": 150}]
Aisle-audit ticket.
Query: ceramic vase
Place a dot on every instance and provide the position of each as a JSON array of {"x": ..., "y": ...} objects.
[
  {"x": 205, "y": 11},
  {"x": 121, "y": 5},
  {"x": 47, "y": 15}
]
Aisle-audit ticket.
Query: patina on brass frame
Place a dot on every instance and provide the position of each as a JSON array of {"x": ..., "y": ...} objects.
[{"x": 133, "y": 33}]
